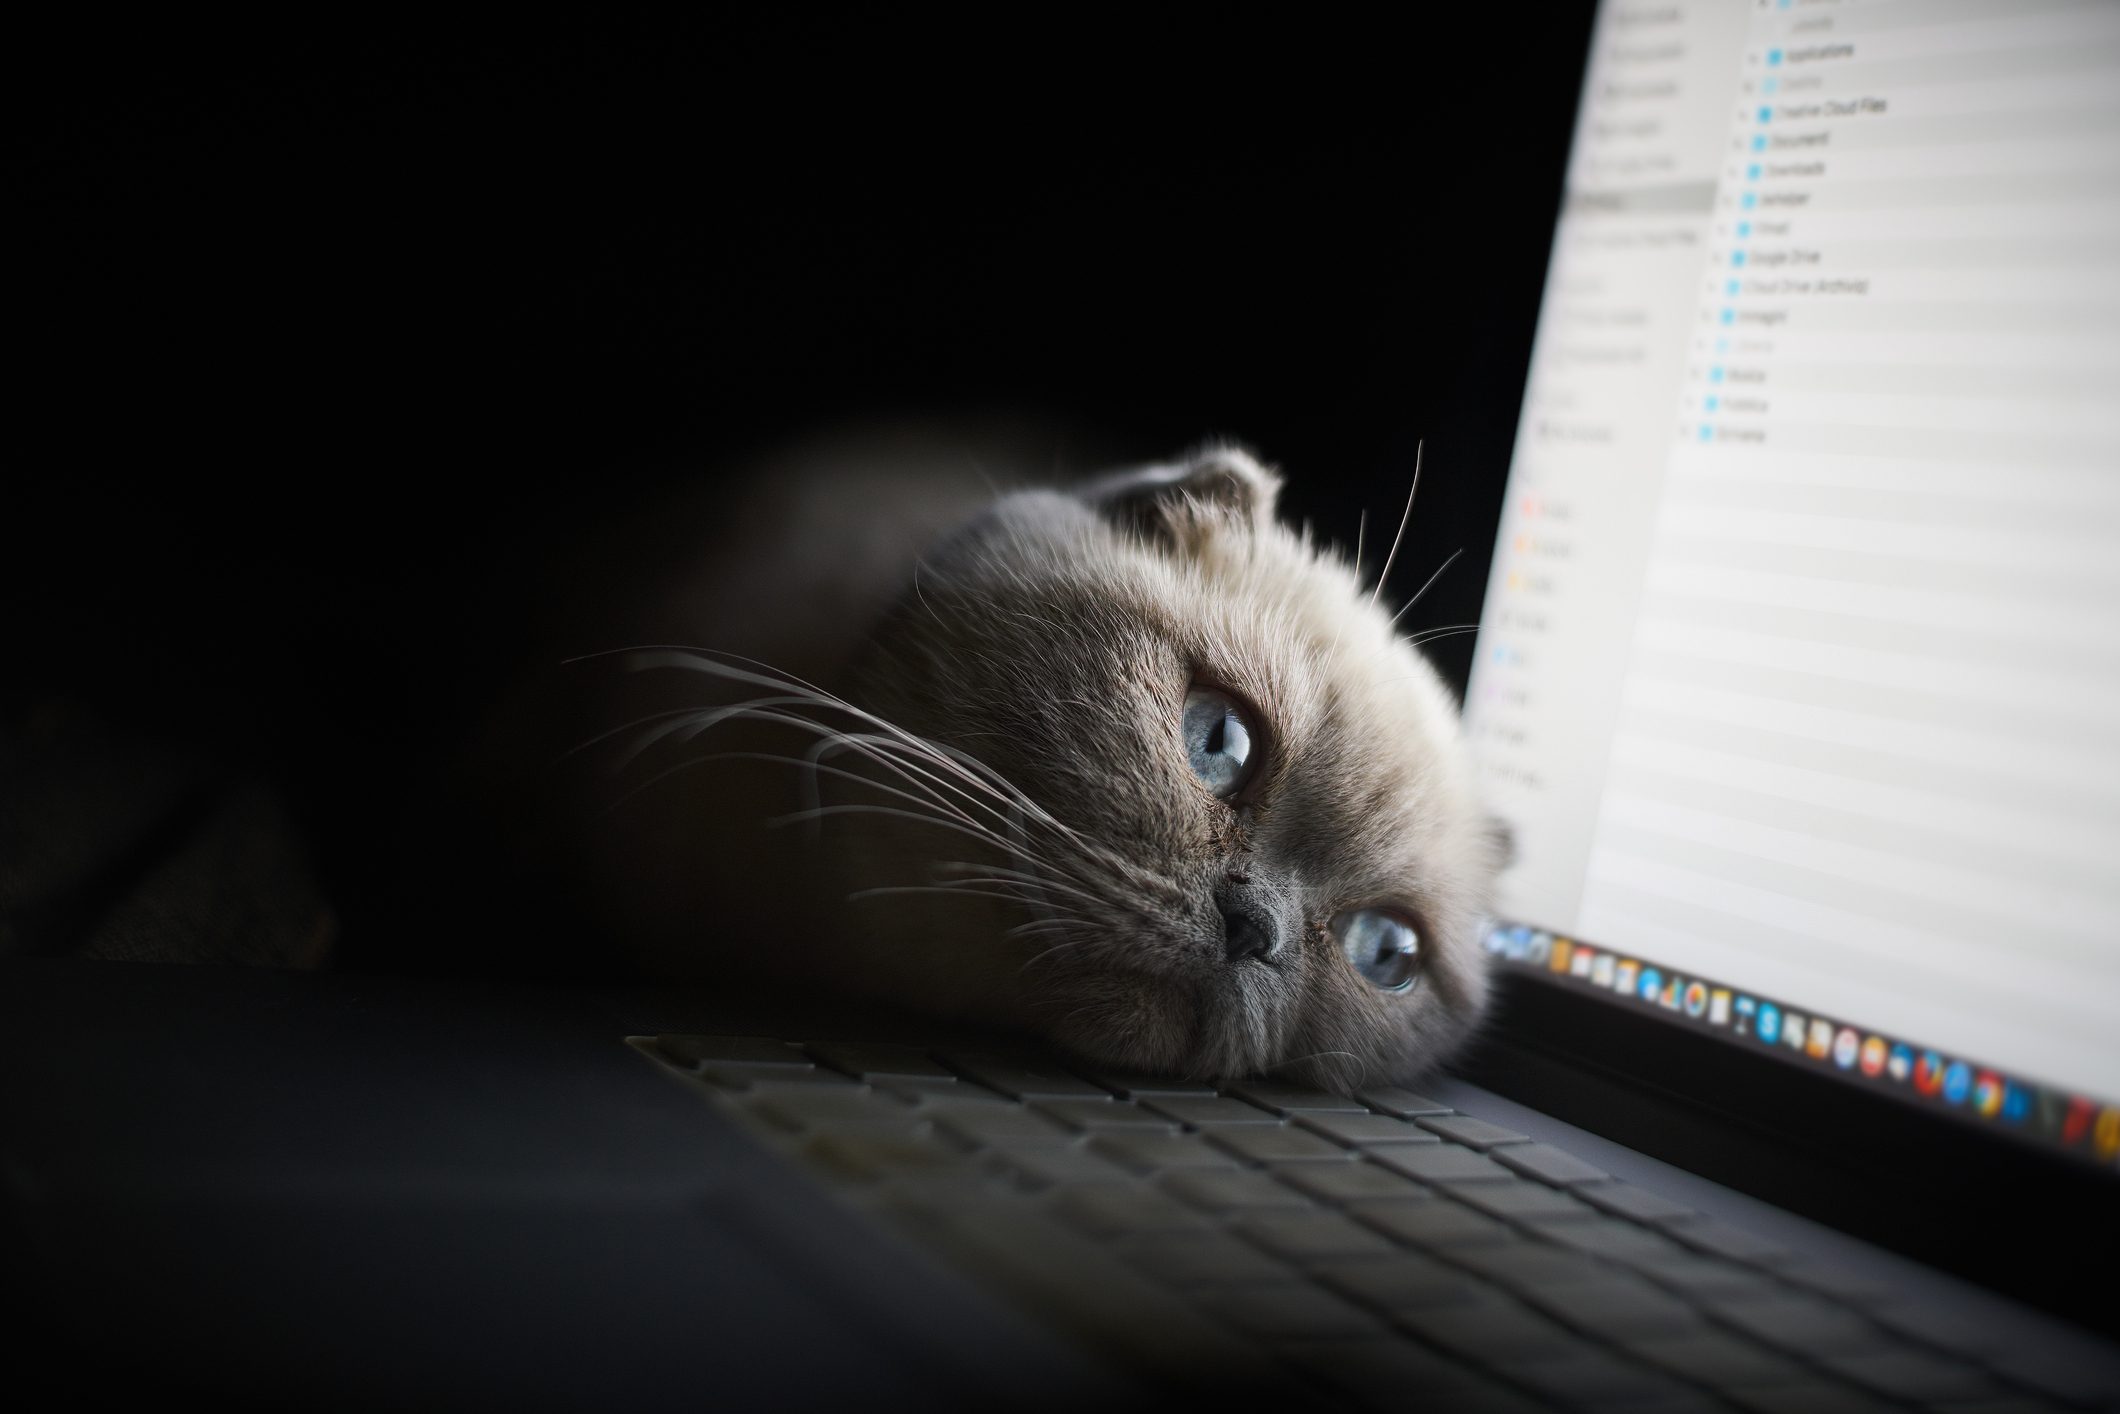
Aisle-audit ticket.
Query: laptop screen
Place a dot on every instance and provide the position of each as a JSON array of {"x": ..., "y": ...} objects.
[{"x": 1799, "y": 668}]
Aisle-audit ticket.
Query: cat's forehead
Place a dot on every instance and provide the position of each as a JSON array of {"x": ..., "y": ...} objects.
[{"x": 1365, "y": 735}]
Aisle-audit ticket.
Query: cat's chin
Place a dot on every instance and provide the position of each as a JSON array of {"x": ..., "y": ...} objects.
[{"x": 1177, "y": 1022}]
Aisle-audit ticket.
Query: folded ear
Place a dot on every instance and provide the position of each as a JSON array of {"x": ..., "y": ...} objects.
[{"x": 1184, "y": 501}]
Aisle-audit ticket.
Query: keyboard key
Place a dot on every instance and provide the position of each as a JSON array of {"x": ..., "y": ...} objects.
[
  {"x": 1363, "y": 1129},
  {"x": 1802, "y": 1324},
  {"x": 1815, "y": 1397},
  {"x": 1117, "y": 1212},
  {"x": 1440, "y": 1163},
  {"x": 1719, "y": 1239},
  {"x": 1598, "y": 1378},
  {"x": 1602, "y": 1237},
  {"x": 867, "y": 1158},
  {"x": 1525, "y": 1202},
  {"x": 1103, "y": 1114},
  {"x": 1135, "y": 1086},
  {"x": 1639, "y": 1204},
  {"x": 1611, "y": 1305},
  {"x": 981, "y": 1125},
  {"x": 1199, "y": 1111},
  {"x": 1472, "y": 1133},
  {"x": 876, "y": 1061},
  {"x": 1715, "y": 1358},
  {"x": 1526, "y": 1265},
  {"x": 1023, "y": 1081},
  {"x": 1230, "y": 1190},
  {"x": 1203, "y": 1259},
  {"x": 1856, "y": 1288},
  {"x": 1914, "y": 1375},
  {"x": 1381, "y": 1371},
  {"x": 821, "y": 1108},
  {"x": 1953, "y": 1332},
  {"x": 1289, "y": 1099},
  {"x": 1403, "y": 1281},
  {"x": 1311, "y": 1237},
  {"x": 1430, "y": 1225},
  {"x": 1400, "y": 1104},
  {"x": 1277, "y": 1145},
  {"x": 1069, "y": 1166},
  {"x": 1548, "y": 1164},
  {"x": 927, "y": 1090},
  {"x": 745, "y": 1079},
  {"x": 1147, "y": 1153},
  {"x": 1497, "y": 1331},
  {"x": 1349, "y": 1183},
  {"x": 731, "y": 1050},
  {"x": 1703, "y": 1278},
  {"x": 1288, "y": 1310}
]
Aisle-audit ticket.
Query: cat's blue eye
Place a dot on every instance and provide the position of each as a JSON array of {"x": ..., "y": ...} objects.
[
  {"x": 1218, "y": 744},
  {"x": 1382, "y": 946}
]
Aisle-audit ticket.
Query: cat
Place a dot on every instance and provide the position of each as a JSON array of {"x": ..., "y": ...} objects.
[{"x": 1128, "y": 764}]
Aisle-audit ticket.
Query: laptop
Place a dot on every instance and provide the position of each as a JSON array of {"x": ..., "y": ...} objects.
[{"x": 1797, "y": 677}]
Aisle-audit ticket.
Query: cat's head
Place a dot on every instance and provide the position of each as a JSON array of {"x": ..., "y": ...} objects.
[{"x": 1237, "y": 827}]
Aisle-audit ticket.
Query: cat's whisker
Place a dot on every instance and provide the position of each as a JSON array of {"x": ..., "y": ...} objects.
[
  {"x": 1419, "y": 450},
  {"x": 889, "y": 889},
  {"x": 1039, "y": 957},
  {"x": 694, "y": 722},
  {"x": 714, "y": 717},
  {"x": 1450, "y": 631},
  {"x": 637, "y": 722},
  {"x": 826, "y": 811},
  {"x": 1023, "y": 876},
  {"x": 1430, "y": 584},
  {"x": 1039, "y": 925},
  {"x": 998, "y": 880}
]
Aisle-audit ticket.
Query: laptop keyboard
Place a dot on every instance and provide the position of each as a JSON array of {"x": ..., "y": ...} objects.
[{"x": 1379, "y": 1246}]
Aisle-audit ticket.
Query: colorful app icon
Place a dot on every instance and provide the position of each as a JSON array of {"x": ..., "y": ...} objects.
[
  {"x": 1719, "y": 1007},
  {"x": 1745, "y": 1010},
  {"x": 1873, "y": 1053},
  {"x": 1928, "y": 1073},
  {"x": 1819, "y": 1044},
  {"x": 1957, "y": 1082},
  {"x": 1652, "y": 983},
  {"x": 1900, "y": 1063},
  {"x": 1846, "y": 1046},
  {"x": 2076, "y": 1125},
  {"x": 1604, "y": 970},
  {"x": 1987, "y": 1094},
  {"x": 1769, "y": 1022},
  {"x": 2049, "y": 1108},
  {"x": 1495, "y": 938},
  {"x": 1563, "y": 953},
  {"x": 1585, "y": 959},
  {"x": 2016, "y": 1103},
  {"x": 1625, "y": 974},
  {"x": 1669, "y": 1000},
  {"x": 1696, "y": 1000},
  {"x": 1540, "y": 950},
  {"x": 1519, "y": 945},
  {"x": 1792, "y": 1030},
  {"x": 2105, "y": 1137}
]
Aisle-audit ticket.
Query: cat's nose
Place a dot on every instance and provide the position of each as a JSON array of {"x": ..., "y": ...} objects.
[{"x": 1248, "y": 931}]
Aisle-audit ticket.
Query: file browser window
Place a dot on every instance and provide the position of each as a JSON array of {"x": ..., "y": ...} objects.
[{"x": 1799, "y": 671}]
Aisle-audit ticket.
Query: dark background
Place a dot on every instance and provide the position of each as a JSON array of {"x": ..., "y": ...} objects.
[{"x": 336, "y": 340}]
